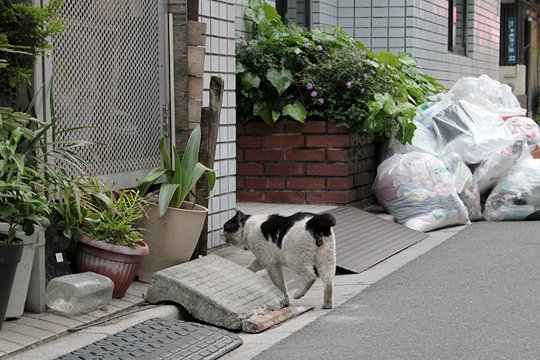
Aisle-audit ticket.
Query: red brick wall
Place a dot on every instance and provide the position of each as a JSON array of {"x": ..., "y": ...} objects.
[{"x": 303, "y": 164}]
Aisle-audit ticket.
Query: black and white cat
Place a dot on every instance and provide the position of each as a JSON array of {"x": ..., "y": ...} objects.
[{"x": 303, "y": 242}]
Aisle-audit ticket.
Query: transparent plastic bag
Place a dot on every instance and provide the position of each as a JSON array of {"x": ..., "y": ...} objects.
[
  {"x": 418, "y": 190},
  {"x": 517, "y": 195},
  {"x": 497, "y": 163},
  {"x": 487, "y": 93},
  {"x": 465, "y": 185},
  {"x": 424, "y": 140},
  {"x": 524, "y": 126}
]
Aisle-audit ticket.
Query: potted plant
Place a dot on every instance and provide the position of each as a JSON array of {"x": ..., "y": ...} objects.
[
  {"x": 174, "y": 225},
  {"x": 23, "y": 204},
  {"x": 110, "y": 243}
]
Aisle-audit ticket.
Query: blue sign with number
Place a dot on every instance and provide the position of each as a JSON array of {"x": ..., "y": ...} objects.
[{"x": 512, "y": 40}]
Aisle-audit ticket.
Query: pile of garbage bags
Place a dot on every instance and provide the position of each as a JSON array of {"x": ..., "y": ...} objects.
[{"x": 474, "y": 155}]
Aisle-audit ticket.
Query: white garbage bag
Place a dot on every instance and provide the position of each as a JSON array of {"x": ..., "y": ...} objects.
[
  {"x": 524, "y": 126},
  {"x": 487, "y": 93},
  {"x": 497, "y": 163},
  {"x": 517, "y": 195},
  {"x": 465, "y": 185},
  {"x": 418, "y": 190}
]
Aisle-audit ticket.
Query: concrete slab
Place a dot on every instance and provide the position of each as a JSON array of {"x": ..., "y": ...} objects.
[{"x": 216, "y": 291}]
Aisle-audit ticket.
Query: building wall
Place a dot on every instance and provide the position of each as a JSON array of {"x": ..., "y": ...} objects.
[
  {"x": 415, "y": 26},
  {"x": 219, "y": 16},
  {"x": 420, "y": 27}
]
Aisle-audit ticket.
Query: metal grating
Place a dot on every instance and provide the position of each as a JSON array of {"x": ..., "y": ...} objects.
[
  {"x": 161, "y": 339},
  {"x": 109, "y": 69},
  {"x": 363, "y": 239}
]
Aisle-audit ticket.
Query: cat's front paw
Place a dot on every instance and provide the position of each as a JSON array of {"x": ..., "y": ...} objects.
[{"x": 299, "y": 294}]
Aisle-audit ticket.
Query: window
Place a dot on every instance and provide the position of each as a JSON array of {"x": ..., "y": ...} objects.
[
  {"x": 457, "y": 26},
  {"x": 295, "y": 12}
]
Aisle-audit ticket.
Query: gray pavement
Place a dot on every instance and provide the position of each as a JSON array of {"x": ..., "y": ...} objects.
[
  {"x": 346, "y": 287},
  {"x": 465, "y": 292},
  {"x": 475, "y": 296}
]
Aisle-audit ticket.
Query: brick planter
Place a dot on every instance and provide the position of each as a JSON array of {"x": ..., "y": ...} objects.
[{"x": 303, "y": 164}]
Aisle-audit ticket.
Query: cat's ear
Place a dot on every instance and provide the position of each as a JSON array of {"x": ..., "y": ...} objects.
[{"x": 240, "y": 216}]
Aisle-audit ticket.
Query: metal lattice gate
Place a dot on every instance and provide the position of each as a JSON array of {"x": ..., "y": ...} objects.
[{"x": 110, "y": 77}]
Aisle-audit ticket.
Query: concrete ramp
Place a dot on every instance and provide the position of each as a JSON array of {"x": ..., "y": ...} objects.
[{"x": 216, "y": 291}]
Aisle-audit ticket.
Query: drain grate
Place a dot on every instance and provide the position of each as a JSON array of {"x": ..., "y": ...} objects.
[{"x": 161, "y": 339}]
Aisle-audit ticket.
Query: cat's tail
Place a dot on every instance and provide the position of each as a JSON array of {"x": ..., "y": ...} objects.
[{"x": 320, "y": 226}]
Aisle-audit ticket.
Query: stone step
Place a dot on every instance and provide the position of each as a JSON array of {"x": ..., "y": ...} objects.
[{"x": 216, "y": 291}]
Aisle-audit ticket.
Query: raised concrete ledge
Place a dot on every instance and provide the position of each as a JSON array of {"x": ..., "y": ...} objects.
[{"x": 216, "y": 291}]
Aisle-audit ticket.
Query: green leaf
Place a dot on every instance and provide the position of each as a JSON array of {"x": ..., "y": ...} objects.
[
  {"x": 164, "y": 154},
  {"x": 189, "y": 162},
  {"x": 198, "y": 171},
  {"x": 407, "y": 59},
  {"x": 280, "y": 79},
  {"x": 176, "y": 178},
  {"x": 149, "y": 180},
  {"x": 262, "y": 109},
  {"x": 296, "y": 110},
  {"x": 270, "y": 12},
  {"x": 240, "y": 68},
  {"x": 250, "y": 81},
  {"x": 166, "y": 193},
  {"x": 19, "y": 161},
  {"x": 275, "y": 115}
]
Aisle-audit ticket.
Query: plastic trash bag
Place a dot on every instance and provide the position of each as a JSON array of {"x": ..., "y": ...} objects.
[
  {"x": 497, "y": 163},
  {"x": 487, "y": 93},
  {"x": 517, "y": 195},
  {"x": 527, "y": 127},
  {"x": 418, "y": 190},
  {"x": 465, "y": 185},
  {"x": 464, "y": 118},
  {"x": 424, "y": 140}
]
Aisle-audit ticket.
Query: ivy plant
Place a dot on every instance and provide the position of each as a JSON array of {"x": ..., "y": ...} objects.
[{"x": 286, "y": 73}]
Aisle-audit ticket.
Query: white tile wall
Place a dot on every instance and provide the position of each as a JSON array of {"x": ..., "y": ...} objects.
[
  {"x": 420, "y": 28},
  {"x": 220, "y": 15}
]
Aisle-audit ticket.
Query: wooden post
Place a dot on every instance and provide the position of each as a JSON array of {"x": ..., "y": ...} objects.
[
  {"x": 193, "y": 10},
  {"x": 178, "y": 8},
  {"x": 209, "y": 131}
]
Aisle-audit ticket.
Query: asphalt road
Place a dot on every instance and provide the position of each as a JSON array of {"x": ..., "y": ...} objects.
[{"x": 476, "y": 296}]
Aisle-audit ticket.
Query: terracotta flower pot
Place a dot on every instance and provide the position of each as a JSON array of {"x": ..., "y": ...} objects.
[{"x": 119, "y": 263}]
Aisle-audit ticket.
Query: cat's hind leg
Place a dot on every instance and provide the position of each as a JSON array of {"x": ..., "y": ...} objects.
[
  {"x": 309, "y": 275},
  {"x": 327, "y": 278}
]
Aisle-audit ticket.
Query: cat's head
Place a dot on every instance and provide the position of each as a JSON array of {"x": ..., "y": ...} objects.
[{"x": 232, "y": 232}]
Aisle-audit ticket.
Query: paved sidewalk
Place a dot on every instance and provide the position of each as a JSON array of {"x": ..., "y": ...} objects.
[{"x": 65, "y": 340}]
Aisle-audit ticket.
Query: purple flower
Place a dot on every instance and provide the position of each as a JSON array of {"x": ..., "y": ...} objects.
[
  {"x": 320, "y": 101},
  {"x": 243, "y": 42},
  {"x": 349, "y": 84},
  {"x": 319, "y": 48},
  {"x": 306, "y": 45},
  {"x": 314, "y": 94},
  {"x": 309, "y": 86}
]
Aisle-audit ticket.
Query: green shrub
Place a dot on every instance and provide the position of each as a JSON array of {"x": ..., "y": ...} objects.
[
  {"x": 287, "y": 73},
  {"x": 25, "y": 32}
]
